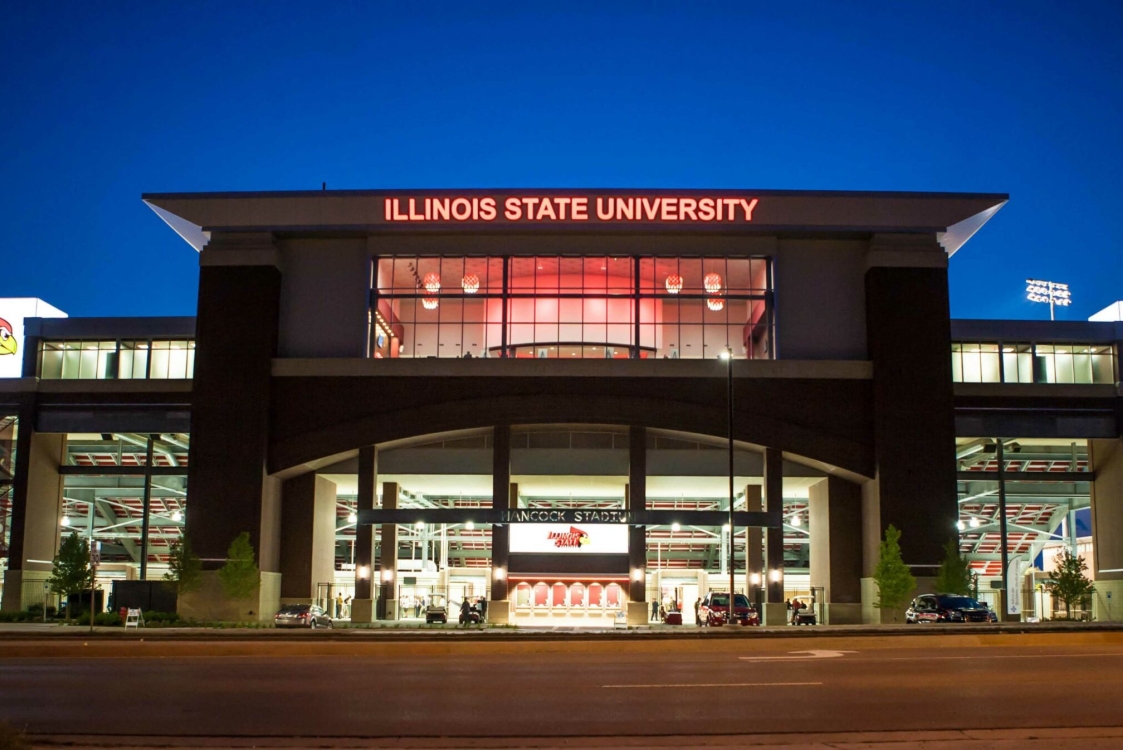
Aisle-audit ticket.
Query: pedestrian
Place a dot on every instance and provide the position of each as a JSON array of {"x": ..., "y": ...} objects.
[
  {"x": 788, "y": 606},
  {"x": 654, "y": 609},
  {"x": 339, "y": 605},
  {"x": 697, "y": 606},
  {"x": 795, "y": 611},
  {"x": 483, "y": 608},
  {"x": 347, "y": 607},
  {"x": 662, "y": 613},
  {"x": 465, "y": 609}
]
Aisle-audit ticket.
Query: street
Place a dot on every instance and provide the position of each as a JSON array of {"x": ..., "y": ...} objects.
[{"x": 554, "y": 695}]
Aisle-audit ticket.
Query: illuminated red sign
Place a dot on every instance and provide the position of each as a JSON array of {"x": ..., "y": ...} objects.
[
  {"x": 571, "y": 208},
  {"x": 573, "y": 538}
]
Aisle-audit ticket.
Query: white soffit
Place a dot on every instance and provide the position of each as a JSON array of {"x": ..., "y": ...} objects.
[
  {"x": 957, "y": 235},
  {"x": 194, "y": 235}
]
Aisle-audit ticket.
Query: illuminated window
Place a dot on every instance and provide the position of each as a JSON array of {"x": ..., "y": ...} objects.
[
  {"x": 984, "y": 362},
  {"x": 113, "y": 360},
  {"x": 572, "y": 307}
]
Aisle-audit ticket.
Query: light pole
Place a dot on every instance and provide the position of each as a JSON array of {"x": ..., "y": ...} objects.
[
  {"x": 727, "y": 355},
  {"x": 1048, "y": 291}
]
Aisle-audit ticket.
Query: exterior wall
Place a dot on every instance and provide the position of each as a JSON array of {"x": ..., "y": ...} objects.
[
  {"x": 826, "y": 272},
  {"x": 1107, "y": 527},
  {"x": 236, "y": 340},
  {"x": 829, "y": 420},
  {"x": 307, "y": 536},
  {"x": 914, "y": 423},
  {"x": 324, "y": 297},
  {"x": 835, "y": 525},
  {"x": 37, "y": 509}
]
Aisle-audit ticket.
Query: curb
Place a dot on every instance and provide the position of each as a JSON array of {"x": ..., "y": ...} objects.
[{"x": 386, "y": 648}]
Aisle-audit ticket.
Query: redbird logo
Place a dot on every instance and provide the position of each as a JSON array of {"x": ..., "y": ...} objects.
[{"x": 574, "y": 538}]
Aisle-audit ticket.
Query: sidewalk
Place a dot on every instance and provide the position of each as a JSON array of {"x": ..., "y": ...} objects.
[
  {"x": 1079, "y": 738},
  {"x": 400, "y": 631},
  {"x": 193, "y": 643}
]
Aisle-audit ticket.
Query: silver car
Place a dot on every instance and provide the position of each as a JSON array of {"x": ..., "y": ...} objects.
[{"x": 302, "y": 616}]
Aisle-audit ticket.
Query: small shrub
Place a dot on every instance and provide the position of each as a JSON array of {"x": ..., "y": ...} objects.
[
  {"x": 11, "y": 738},
  {"x": 107, "y": 619}
]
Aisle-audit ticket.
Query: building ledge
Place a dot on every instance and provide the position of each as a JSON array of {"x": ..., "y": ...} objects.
[
  {"x": 1036, "y": 390},
  {"x": 597, "y": 368},
  {"x": 113, "y": 386}
]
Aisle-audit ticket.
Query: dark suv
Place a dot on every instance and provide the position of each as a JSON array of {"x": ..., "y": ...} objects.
[
  {"x": 947, "y": 608},
  {"x": 714, "y": 610}
]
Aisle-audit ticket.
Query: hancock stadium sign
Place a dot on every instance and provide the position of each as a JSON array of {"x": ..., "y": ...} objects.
[
  {"x": 572, "y": 208},
  {"x": 558, "y": 515}
]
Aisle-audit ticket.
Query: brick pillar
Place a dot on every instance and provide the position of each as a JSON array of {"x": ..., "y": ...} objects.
[
  {"x": 501, "y": 498},
  {"x": 774, "y": 610},
  {"x": 835, "y": 528},
  {"x": 388, "y": 557},
  {"x": 755, "y": 553},
  {"x": 362, "y": 605},
  {"x": 36, "y": 513},
  {"x": 636, "y": 500}
]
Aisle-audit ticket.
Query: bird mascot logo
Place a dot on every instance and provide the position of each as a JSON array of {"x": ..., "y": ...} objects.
[
  {"x": 574, "y": 538},
  {"x": 8, "y": 343}
]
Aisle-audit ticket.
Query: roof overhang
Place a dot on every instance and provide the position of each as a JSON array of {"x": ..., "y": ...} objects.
[{"x": 952, "y": 217}]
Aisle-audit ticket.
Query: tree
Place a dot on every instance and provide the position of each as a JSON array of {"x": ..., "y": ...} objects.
[
  {"x": 895, "y": 583},
  {"x": 71, "y": 571},
  {"x": 1069, "y": 583},
  {"x": 955, "y": 572},
  {"x": 185, "y": 569},
  {"x": 239, "y": 576}
]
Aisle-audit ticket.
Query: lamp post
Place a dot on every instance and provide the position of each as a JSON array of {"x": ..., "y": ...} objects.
[
  {"x": 1048, "y": 291},
  {"x": 727, "y": 355}
]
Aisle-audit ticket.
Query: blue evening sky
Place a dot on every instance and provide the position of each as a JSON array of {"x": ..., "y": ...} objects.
[{"x": 104, "y": 101}]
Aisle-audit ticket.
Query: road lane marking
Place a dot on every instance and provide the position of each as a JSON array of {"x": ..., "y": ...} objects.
[
  {"x": 996, "y": 656},
  {"x": 714, "y": 685},
  {"x": 794, "y": 655}
]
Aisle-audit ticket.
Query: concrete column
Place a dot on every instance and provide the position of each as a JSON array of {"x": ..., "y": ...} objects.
[
  {"x": 307, "y": 536},
  {"x": 36, "y": 513},
  {"x": 362, "y": 604},
  {"x": 871, "y": 549},
  {"x": 388, "y": 559},
  {"x": 774, "y": 611},
  {"x": 503, "y": 495},
  {"x": 635, "y": 499},
  {"x": 1107, "y": 528},
  {"x": 755, "y": 552},
  {"x": 835, "y": 527}
]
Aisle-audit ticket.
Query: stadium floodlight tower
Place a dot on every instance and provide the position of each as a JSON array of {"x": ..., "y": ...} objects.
[{"x": 1048, "y": 291}]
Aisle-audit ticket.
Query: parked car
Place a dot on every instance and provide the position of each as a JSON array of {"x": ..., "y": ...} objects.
[
  {"x": 302, "y": 616},
  {"x": 939, "y": 608},
  {"x": 436, "y": 610},
  {"x": 714, "y": 610}
]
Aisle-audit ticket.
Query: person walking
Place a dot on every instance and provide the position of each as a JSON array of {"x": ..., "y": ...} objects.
[
  {"x": 654, "y": 609},
  {"x": 339, "y": 605},
  {"x": 465, "y": 609},
  {"x": 483, "y": 608},
  {"x": 697, "y": 607}
]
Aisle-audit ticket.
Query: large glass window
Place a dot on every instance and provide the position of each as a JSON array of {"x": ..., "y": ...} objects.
[
  {"x": 112, "y": 360},
  {"x": 981, "y": 362},
  {"x": 112, "y": 492},
  {"x": 572, "y": 307}
]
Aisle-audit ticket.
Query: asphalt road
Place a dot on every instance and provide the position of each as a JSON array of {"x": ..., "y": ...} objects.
[{"x": 574, "y": 694}]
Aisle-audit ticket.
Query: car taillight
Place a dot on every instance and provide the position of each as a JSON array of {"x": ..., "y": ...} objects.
[{"x": 304, "y": 615}]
